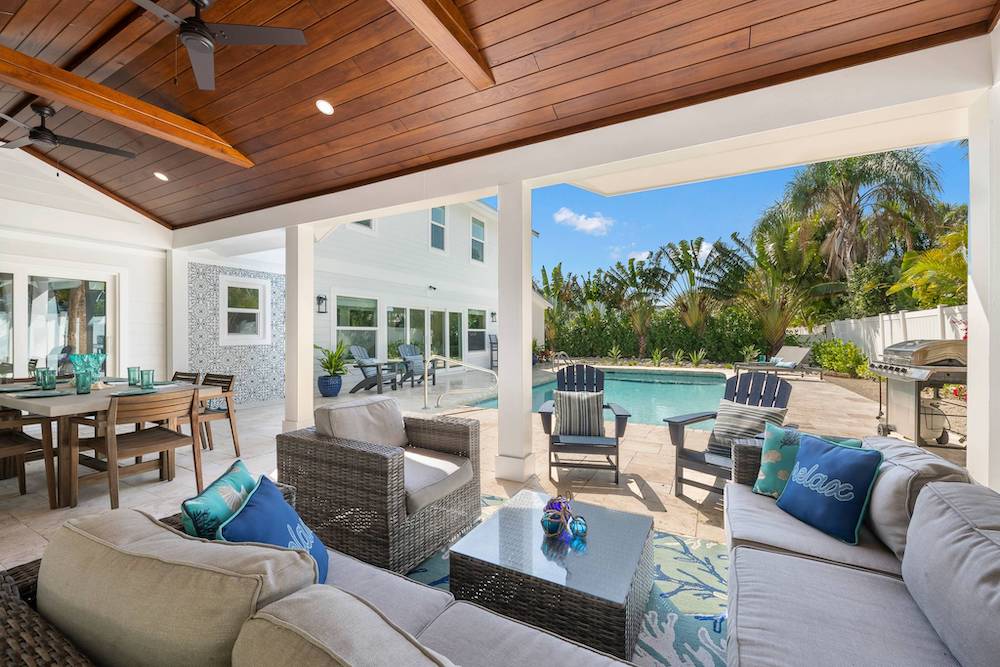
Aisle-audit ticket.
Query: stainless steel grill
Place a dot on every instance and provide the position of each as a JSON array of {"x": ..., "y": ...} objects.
[{"x": 909, "y": 368}]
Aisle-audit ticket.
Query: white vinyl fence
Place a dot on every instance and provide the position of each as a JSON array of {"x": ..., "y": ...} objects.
[{"x": 874, "y": 334}]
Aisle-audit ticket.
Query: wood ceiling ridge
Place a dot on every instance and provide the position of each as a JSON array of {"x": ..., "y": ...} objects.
[{"x": 994, "y": 18}]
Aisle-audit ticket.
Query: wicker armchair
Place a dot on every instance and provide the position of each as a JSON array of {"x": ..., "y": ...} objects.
[{"x": 352, "y": 495}]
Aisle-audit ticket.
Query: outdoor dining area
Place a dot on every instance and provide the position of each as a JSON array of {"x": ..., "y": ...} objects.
[{"x": 112, "y": 427}]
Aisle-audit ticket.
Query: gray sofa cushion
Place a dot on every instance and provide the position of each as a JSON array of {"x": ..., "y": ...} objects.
[
  {"x": 429, "y": 476},
  {"x": 323, "y": 625},
  {"x": 368, "y": 419},
  {"x": 952, "y": 567},
  {"x": 471, "y": 636},
  {"x": 905, "y": 470},
  {"x": 408, "y": 604},
  {"x": 785, "y": 610},
  {"x": 755, "y": 520}
]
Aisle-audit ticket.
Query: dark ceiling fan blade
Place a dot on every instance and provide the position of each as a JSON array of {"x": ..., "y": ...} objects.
[
  {"x": 203, "y": 65},
  {"x": 231, "y": 33},
  {"x": 160, "y": 12},
  {"x": 86, "y": 145},
  {"x": 14, "y": 120},
  {"x": 17, "y": 143}
]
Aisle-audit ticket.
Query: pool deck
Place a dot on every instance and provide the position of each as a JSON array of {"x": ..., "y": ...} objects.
[{"x": 647, "y": 464}]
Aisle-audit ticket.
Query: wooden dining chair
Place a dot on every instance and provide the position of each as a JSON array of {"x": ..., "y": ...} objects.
[
  {"x": 164, "y": 409},
  {"x": 186, "y": 376},
  {"x": 210, "y": 414},
  {"x": 16, "y": 444}
]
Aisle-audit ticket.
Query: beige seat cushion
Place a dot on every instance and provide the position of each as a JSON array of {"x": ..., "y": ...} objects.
[
  {"x": 905, "y": 470},
  {"x": 429, "y": 476},
  {"x": 129, "y": 590},
  {"x": 368, "y": 419},
  {"x": 323, "y": 625},
  {"x": 755, "y": 520}
]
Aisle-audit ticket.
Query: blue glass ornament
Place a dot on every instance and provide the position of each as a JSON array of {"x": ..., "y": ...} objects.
[{"x": 578, "y": 526}]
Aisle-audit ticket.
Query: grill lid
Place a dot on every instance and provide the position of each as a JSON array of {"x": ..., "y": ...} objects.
[{"x": 927, "y": 353}]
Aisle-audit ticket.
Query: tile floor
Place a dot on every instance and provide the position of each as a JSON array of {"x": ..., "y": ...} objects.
[{"x": 646, "y": 485}]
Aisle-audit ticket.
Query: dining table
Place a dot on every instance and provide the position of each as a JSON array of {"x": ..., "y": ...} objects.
[{"x": 68, "y": 404}]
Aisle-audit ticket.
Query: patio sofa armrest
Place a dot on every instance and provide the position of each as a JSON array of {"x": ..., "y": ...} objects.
[
  {"x": 342, "y": 485},
  {"x": 746, "y": 460},
  {"x": 29, "y": 638},
  {"x": 547, "y": 409},
  {"x": 621, "y": 418},
  {"x": 451, "y": 435},
  {"x": 677, "y": 424}
]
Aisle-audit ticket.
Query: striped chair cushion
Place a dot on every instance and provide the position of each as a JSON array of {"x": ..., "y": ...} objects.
[
  {"x": 579, "y": 413},
  {"x": 736, "y": 420}
]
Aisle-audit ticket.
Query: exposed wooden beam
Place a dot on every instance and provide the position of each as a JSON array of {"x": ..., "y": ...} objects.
[
  {"x": 442, "y": 24},
  {"x": 45, "y": 80},
  {"x": 47, "y": 159},
  {"x": 994, "y": 17}
]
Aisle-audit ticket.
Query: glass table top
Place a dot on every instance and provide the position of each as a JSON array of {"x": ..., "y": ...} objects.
[{"x": 512, "y": 538}]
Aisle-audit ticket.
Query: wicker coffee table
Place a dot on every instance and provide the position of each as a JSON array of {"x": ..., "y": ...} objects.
[{"x": 596, "y": 597}]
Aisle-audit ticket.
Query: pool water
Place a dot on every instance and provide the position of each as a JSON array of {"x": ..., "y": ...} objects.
[{"x": 651, "y": 396}]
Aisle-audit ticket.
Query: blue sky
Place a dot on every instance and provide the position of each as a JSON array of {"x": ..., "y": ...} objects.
[{"x": 587, "y": 231}]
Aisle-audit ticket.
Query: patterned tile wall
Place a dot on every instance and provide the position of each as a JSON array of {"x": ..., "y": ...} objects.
[{"x": 259, "y": 369}]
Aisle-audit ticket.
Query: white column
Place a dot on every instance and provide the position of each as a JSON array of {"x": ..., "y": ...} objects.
[
  {"x": 515, "y": 460},
  {"x": 983, "y": 443},
  {"x": 177, "y": 313},
  {"x": 299, "y": 280}
]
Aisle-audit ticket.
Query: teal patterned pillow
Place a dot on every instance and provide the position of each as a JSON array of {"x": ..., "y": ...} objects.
[
  {"x": 202, "y": 515},
  {"x": 781, "y": 446}
]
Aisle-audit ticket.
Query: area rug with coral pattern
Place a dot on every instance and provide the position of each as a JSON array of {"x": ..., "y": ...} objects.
[{"x": 684, "y": 625}]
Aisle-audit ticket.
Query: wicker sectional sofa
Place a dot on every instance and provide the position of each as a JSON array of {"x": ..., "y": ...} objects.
[
  {"x": 193, "y": 609},
  {"x": 921, "y": 588}
]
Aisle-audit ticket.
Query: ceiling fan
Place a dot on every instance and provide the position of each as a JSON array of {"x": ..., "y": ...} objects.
[
  {"x": 46, "y": 137},
  {"x": 200, "y": 38}
]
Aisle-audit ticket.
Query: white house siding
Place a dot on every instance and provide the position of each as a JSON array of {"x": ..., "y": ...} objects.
[
  {"x": 141, "y": 287},
  {"x": 395, "y": 264}
]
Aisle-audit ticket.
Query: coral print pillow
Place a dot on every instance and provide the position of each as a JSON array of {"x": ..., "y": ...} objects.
[
  {"x": 829, "y": 486},
  {"x": 781, "y": 446},
  {"x": 202, "y": 515}
]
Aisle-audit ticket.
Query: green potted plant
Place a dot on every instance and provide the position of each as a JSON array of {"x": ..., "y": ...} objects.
[{"x": 332, "y": 363}]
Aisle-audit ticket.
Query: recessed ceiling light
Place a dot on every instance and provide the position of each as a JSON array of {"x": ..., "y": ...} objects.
[
  {"x": 161, "y": 176},
  {"x": 324, "y": 107}
]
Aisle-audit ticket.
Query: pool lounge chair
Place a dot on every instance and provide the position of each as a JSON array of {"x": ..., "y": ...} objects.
[
  {"x": 415, "y": 366},
  {"x": 584, "y": 378},
  {"x": 369, "y": 371},
  {"x": 790, "y": 359}
]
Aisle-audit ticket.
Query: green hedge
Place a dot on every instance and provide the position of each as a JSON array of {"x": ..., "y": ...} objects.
[
  {"x": 840, "y": 356},
  {"x": 726, "y": 334}
]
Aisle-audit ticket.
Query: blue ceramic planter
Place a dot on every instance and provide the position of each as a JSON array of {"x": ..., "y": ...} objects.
[{"x": 329, "y": 385}]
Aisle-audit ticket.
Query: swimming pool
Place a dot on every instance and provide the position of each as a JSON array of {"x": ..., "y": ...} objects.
[{"x": 650, "y": 396}]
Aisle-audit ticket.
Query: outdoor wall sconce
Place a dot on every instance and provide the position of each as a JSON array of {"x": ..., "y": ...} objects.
[
  {"x": 320, "y": 304},
  {"x": 493, "y": 316},
  {"x": 432, "y": 288}
]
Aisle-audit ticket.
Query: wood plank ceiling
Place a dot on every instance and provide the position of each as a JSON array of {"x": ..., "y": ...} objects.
[{"x": 560, "y": 66}]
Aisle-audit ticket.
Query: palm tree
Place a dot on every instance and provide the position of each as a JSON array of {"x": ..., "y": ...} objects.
[
  {"x": 560, "y": 292},
  {"x": 691, "y": 264},
  {"x": 637, "y": 287},
  {"x": 844, "y": 192},
  {"x": 938, "y": 275}
]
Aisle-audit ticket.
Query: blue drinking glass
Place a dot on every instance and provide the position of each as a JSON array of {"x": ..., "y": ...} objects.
[
  {"x": 49, "y": 378},
  {"x": 39, "y": 376},
  {"x": 133, "y": 376},
  {"x": 147, "y": 379},
  {"x": 84, "y": 378}
]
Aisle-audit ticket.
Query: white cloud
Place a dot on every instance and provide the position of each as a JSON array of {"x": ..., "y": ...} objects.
[
  {"x": 639, "y": 254},
  {"x": 595, "y": 225}
]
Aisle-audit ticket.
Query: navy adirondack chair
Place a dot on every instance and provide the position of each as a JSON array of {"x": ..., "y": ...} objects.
[
  {"x": 584, "y": 378},
  {"x": 757, "y": 389},
  {"x": 415, "y": 367},
  {"x": 369, "y": 370}
]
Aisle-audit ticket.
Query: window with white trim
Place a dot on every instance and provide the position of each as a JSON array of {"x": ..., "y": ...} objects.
[
  {"x": 357, "y": 323},
  {"x": 477, "y": 330},
  {"x": 477, "y": 233},
  {"x": 244, "y": 311},
  {"x": 437, "y": 227}
]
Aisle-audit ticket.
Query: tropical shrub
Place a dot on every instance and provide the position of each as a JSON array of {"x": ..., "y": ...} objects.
[
  {"x": 616, "y": 354},
  {"x": 679, "y": 356},
  {"x": 697, "y": 357},
  {"x": 750, "y": 353},
  {"x": 839, "y": 356},
  {"x": 656, "y": 356}
]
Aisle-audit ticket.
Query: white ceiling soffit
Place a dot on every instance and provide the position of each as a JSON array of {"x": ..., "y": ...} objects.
[
  {"x": 927, "y": 122},
  {"x": 27, "y": 179}
]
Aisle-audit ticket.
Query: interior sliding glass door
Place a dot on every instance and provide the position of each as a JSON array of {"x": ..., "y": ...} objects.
[
  {"x": 66, "y": 316},
  {"x": 6, "y": 324}
]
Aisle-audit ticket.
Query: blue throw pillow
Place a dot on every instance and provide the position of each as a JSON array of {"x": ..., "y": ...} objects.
[
  {"x": 777, "y": 457},
  {"x": 202, "y": 515},
  {"x": 830, "y": 485},
  {"x": 268, "y": 519}
]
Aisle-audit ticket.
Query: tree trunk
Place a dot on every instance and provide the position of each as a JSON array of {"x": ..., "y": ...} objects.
[{"x": 76, "y": 316}]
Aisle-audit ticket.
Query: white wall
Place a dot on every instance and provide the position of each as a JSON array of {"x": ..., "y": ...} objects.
[
  {"x": 395, "y": 264},
  {"x": 874, "y": 334}
]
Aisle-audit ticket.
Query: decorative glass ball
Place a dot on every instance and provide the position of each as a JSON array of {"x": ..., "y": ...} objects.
[
  {"x": 552, "y": 522},
  {"x": 578, "y": 526}
]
